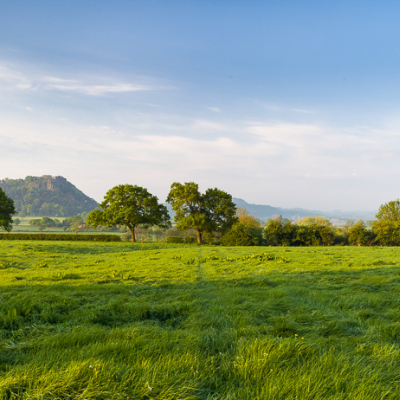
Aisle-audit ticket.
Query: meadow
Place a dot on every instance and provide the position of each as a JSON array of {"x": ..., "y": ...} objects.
[
  {"x": 24, "y": 227},
  {"x": 163, "y": 321}
]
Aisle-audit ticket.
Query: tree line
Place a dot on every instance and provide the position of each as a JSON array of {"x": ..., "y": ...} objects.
[
  {"x": 72, "y": 224},
  {"x": 214, "y": 217},
  {"x": 133, "y": 206},
  {"x": 317, "y": 231}
]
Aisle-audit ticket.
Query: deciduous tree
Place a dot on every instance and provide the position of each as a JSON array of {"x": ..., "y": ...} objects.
[
  {"x": 246, "y": 218},
  {"x": 277, "y": 233},
  {"x": 42, "y": 223},
  {"x": 132, "y": 206},
  {"x": 387, "y": 228},
  {"x": 209, "y": 212},
  {"x": 314, "y": 221},
  {"x": 359, "y": 235},
  {"x": 389, "y": 211},
  {"x": 7, "y": 210},
  {"x": 241, "y": 235}
]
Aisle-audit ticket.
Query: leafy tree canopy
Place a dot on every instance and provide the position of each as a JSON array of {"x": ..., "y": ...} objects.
[
  {"x": 389, "y": 211},
  {"x": 42, "y": 223},
  {"x": 209, "y": 212},
  {"x": 387, "y": 228},
  {"x": 241, "y": 234},
  {"x": 246, "y": 218},
  {"x": 314, "y": 221},
  {"x": 7, "y": 210},
  {"x": 277, "y": 233},
  {"x": 387, "y": 233},
  {"x": 359, "y": 235},
  {"x": 131, "y": 206},
  {"x": 74, "y": 224}
]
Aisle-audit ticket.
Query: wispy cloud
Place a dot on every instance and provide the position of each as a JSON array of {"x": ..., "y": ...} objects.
[
  {"x": 11, "y": 75},
  {"x": 259, "y": 159},
  {"x": 154, "y": 123},
  {"x": 277, "y": 108},
  {"x": 98, "y": 90},
  {"x": 91, "y": 86},
  {"x": 302, "y": 111}
]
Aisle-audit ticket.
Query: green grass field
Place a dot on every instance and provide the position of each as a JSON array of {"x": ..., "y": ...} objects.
[
  {"x": 157, "y": 321},
  {"x": 24, "y": 227}
]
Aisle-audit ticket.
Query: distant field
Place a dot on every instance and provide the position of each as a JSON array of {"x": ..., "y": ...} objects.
[
  {"x": 158, "y": 321},
  {"x": 25, "y": 220},
  {"x": 25, "y": 227}
]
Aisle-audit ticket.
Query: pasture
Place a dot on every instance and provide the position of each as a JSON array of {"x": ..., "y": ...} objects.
[{"x": 157, "y": 321}]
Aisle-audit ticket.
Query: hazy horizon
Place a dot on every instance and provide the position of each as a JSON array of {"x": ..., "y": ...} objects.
[{"x": 293, "y": 105}]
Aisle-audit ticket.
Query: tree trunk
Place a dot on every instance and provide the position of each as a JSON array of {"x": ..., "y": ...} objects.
[
  {"x": 199, "y": 236},
  {"x": 133, "y": 234}
]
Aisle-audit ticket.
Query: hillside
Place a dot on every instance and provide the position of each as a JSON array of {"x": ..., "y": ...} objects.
[{"x": 52, "y": 196}]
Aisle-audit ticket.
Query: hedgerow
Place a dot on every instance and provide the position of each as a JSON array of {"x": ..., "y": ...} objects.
[{"x": 59, "y": 237}]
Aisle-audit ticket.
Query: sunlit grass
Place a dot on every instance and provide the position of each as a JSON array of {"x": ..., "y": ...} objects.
[{"x": 119, "y": 320}]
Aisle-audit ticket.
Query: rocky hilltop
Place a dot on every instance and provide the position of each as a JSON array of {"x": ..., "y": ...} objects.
[{"x": 51, "y": 196}]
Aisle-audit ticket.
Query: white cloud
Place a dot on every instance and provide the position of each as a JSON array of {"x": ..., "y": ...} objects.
[
  {"x": 285, "y": 109},
  {"x": 215, "y": 109},
  {"x": 201, "y": 124},
  {"x": 283, "y": 150},
  {"x": 97, "y": 90},
  {"x": 23, "y": 86},
  {"x": 302, "y": 111},
  {"x": 288, "y": 134},
  {"x": 281, "y": 163},
  {"x": 56, "y": 79},
  {"x": 9, "y": 74},
  {"x": 170, "y": 124},
  {"x": 11, "y": 78}
]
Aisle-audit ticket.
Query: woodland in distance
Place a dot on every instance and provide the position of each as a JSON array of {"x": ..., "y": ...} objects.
[{"x": 210, "y": 217}]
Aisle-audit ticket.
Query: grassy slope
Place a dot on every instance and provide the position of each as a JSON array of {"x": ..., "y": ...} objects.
[{"x": 112, "y": 321}]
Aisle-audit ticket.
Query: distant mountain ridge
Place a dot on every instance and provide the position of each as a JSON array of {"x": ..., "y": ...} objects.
[
  {"x": 47, "y": 195},
  {"x": 264, "y": 212}
]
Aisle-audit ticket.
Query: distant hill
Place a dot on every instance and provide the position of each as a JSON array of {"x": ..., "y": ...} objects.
[
  {"x": 47, "y": 195},
  {"x": 265, "y": 212}
]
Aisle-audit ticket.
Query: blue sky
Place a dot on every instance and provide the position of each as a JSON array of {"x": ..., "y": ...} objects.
[{"x": 287, "y": 103}]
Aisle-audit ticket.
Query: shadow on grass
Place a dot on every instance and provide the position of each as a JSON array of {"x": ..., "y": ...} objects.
[{"x": 303, "y": 299}]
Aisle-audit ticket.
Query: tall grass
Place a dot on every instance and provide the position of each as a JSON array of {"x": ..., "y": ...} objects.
[{"x": 157, "y": 321}]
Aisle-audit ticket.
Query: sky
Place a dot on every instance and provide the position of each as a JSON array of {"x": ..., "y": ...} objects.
[{"x": 286, "y": 103}]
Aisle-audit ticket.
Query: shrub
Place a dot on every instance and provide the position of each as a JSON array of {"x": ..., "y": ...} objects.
[
  {"x": 241, "y": 235},
  {"x": 321, "y": 235},
  {"x": 277, "y": 233},
  {"x": 175, "y": 239},
  {"x": 180, "y": 239},
  {"x": 360, "y": 236},
  {"x": 387, "y": 232},
  {"x": 126, "y": 237}
]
